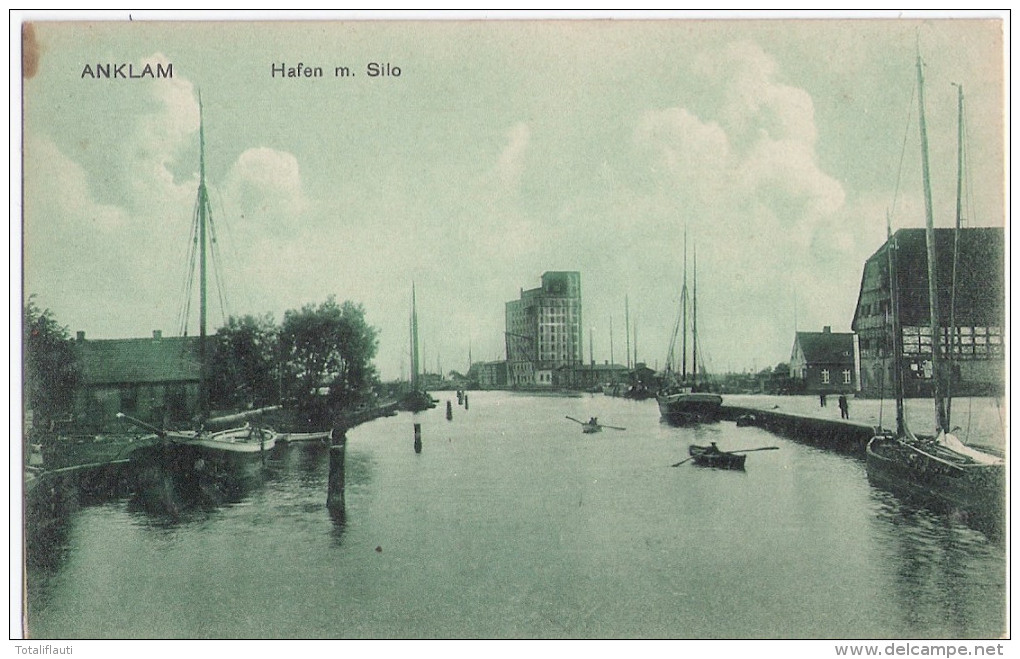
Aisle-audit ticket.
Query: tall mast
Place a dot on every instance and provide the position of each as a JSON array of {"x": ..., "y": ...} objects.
[
  {"x": 953, "y": 331},
  {"x": 626, "y": 320},
  {"x": 933, "y": 304},
  {"x": 612, "y": 359},
  {"x": 694, "y": 330},
  {"x": 894, "y": 310},
  {"x": 203, "y": 203},
  {"x": 683, "y": 311},
  {"x": 414, "y": 339},
  {"x": 635, "y": 344}
]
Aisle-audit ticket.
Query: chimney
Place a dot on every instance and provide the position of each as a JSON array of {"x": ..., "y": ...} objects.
[
  {"x": 827, "y": 329},
  {"x": 157, "y": 334},
  {"x": 81, "y": 335}
]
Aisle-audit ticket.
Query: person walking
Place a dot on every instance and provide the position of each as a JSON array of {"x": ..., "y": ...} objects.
[{"x": 844, "y": 407}]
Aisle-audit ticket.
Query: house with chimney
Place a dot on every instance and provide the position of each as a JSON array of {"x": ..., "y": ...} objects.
[
  {"x": 153, "y": 379},
  {"x": 823, "y": 362}
]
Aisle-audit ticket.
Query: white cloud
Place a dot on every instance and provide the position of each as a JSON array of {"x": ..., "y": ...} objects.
[
  {"x": 510, "y": 165},
  {"x": 264, "y": 187}
]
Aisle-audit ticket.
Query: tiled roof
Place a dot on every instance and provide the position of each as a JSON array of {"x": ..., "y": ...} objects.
[
  {"x": 826, "y": 347},
  {"x": 980, "y": 279},
  {"x": 139, "y": 361}
]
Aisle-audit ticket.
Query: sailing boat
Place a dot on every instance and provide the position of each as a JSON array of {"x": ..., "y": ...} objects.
[
  {"x": 232, "y": 441},
  {"x": 682, "y": 399},
  {"x": 942, "y": 470},
  {"x": 417, "y": 399}
]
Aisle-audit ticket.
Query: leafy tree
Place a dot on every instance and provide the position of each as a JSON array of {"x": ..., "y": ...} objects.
[
  {"x": 329, "y": 344},
  {"x": 51, "y": 371},
  {"x": 245, "y": 362}
]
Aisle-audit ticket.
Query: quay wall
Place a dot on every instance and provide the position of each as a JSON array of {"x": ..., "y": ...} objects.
[{"x": 840, "y": 435}]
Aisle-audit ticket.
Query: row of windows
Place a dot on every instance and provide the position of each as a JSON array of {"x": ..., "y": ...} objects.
[
  {"x": 847, "y": 376},
  {"x": 880, "y": 308}
]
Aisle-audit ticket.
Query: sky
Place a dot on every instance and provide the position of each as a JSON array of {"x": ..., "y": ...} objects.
[{"x": 503, "y": 149}]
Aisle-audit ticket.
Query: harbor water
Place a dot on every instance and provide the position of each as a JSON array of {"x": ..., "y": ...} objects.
[{"x": 511, "y": 523}]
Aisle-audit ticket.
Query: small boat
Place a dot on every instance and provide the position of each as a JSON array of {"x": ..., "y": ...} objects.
[
  {"x": 237, "y": 442},
  {"x": 246, "y": 439},
  {"x": 712, "y": 456},
  {"x": 322, "y": 436},
  {"x": 592, "y": 425},
  {"x": 745, "y": 420}
]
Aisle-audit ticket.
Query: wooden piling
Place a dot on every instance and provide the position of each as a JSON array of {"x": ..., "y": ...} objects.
[
  {"x": 335, "y": 491},
  {"x": 465, "y": 402},
  {"x": 417, "y": 438},
  {"x": 449, "y": 411}
]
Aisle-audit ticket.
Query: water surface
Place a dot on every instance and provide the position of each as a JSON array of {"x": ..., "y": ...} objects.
[{"x": 511, "y": 523}]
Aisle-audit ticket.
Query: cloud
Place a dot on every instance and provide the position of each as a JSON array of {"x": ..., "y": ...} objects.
[
  {"x": 510, "y": 165},
  {"x": 139, "y": 232},
  {"x": 264, "y": 186}
]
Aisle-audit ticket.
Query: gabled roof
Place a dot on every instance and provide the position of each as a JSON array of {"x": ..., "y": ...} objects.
[
  {"x": 980, "y": 277},
  {"x": 139, "y": 361},
  {"x": 826, "y": 347}
]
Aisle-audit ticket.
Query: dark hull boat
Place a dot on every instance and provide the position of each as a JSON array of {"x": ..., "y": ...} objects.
[
  {"x": 417, "y": 401},
  {"x": 687, "y": 407},
  {"x": 683, "y": 398},
  {"x": 928, "y": 471},
  {"x": 941, "y": 473},
  {"x": 710, "y": 456},
  {"x": 74, "y": 451},
  {"x": 171, "y": 479}
]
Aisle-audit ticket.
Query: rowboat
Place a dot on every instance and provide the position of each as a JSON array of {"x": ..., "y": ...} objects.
[
  {"x": 592, "y": 425},
  {"x": 711, "y": 456}
]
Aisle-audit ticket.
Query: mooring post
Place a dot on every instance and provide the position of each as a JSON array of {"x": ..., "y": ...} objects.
[
  {"x": 449, "y": 411},
  {"x": 460, "y": 397},
  {"x": 465, "y": 402},
  {"x": 417, "y": 438},
  {"x": 335, "y": 492}
]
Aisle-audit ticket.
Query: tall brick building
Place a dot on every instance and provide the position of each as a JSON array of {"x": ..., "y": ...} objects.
[{"x": 543, "y": 330}]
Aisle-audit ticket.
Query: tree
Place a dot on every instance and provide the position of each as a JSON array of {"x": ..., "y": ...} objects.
[
  {"x": 245, "y": 362},
  {"x": 51, "y": 371},
  {"x": 328, "y": 345}
]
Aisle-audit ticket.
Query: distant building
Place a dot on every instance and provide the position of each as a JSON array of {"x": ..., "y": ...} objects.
[
  {"x": 153, "y": 379},
  {"x": 488, "y": 375},
  {"x": 975, "y": 351},
  {"x": 543, "y": 330},
  {"x": 823, "y": 362}
]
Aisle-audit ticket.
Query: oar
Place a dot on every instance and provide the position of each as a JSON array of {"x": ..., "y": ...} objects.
[
  {"x": 613, "y": 427},
  {"x": 745, "y": 450},
  {"x": 579, "y": 421}
]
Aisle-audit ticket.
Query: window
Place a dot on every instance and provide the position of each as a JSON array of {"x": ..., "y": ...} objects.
[
  {"x": 129, "y": 398},
  {"x": 825, "y": 376},
  {"x": 846, "y": 376}
]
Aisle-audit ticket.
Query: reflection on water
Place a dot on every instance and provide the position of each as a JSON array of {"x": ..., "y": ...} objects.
[
  {"x": 932, "y": 558},
  {"x": 512, "y": 523}
]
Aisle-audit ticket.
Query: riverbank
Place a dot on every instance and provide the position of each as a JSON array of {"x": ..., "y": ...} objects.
[{"x": 982, "y": 420}]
